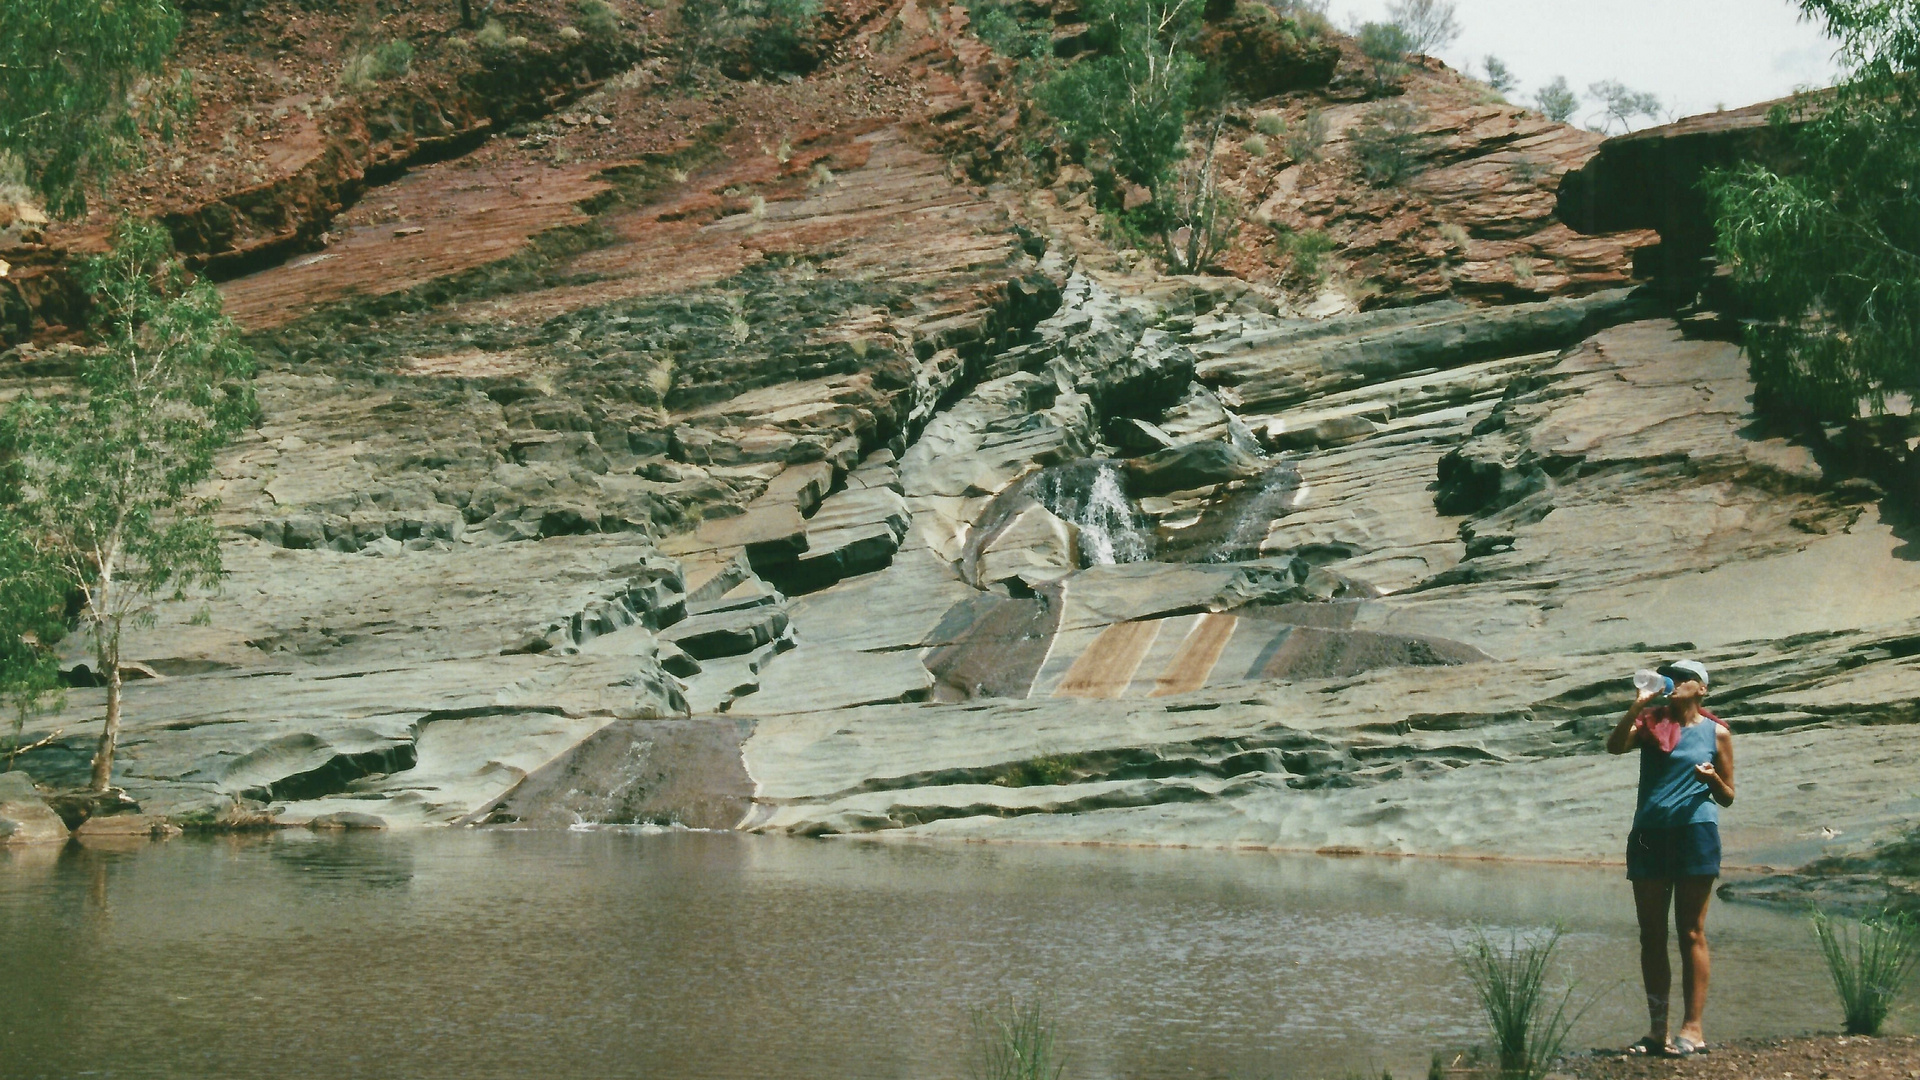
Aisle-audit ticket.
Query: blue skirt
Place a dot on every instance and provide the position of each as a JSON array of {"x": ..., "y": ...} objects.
[{"x": 1676, "y": 851}]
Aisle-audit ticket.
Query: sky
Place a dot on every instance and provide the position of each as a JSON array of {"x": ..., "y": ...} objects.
[{"x": 1695, "y": 55}]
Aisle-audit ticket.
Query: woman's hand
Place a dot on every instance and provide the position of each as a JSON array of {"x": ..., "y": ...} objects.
[{"x": 1717, "y": 784}]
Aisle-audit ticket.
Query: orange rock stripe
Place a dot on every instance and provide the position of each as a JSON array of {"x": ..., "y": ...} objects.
[
  {"x": 1108, "y": 664},
  {"x": 1189, "y": 668}
]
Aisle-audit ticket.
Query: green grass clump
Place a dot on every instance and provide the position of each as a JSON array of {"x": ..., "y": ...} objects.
[
  {"x": 1388, "y": 143},
  {"x": 385, "y": 61},
  {"x": 1305, "y": 252},
  {"x": 1871, "y": 964},
  {"x": 596, "y": 19},
  {"x": 1529, "y": 1026},
  {"x": 1270, "y": 124},
  {"x": 1255, "y": 146},
  {"x": 1305, "y": 139},
  {"x": 1015, "y": 1040}
]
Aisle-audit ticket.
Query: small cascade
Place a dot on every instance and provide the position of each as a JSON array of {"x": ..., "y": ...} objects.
[
  {"x": 1255, "y": 512},
  {"x": 1233, "y": 528},
  {"x": 1092, "y": 496}
]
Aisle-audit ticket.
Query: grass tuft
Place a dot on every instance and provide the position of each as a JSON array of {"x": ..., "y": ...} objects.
[
  {"x": 1871, "y": 964},
  {"x": 387, "y": 60},
  {"x": 1015, "y": 1040},
  {"x": 1529, "y": 1026}
]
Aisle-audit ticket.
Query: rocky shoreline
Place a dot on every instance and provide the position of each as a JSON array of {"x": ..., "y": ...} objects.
[{"x": 1815, "y": 1057}]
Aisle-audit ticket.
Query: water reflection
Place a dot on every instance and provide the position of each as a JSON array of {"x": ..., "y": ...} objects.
[{"x": 692, "y": 956}]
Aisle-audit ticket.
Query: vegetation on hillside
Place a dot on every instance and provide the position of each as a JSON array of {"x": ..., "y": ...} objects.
[
  {"x": 1829, "y": 253},
  {"x": 78, "y": 89}
]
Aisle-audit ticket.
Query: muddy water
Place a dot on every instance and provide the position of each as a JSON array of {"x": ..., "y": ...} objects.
[{"x": 687, "y": 955}]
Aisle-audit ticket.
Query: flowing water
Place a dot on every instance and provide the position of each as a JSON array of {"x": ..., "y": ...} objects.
[
  {"x": 1092, "y": 495},
  {"x": 683, "y": 955}
]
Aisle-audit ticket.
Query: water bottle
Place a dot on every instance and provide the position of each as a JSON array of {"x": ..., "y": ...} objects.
[{"x": 1652, "y": 682}]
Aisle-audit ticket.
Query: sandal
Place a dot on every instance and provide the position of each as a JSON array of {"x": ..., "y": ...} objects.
[
  {"x": 1647, "y": 1047},
  {"x": 1685, "y": 1047}
]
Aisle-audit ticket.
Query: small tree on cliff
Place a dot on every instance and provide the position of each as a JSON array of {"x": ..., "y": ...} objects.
[
  {"x": 1132, "y": 99},
  {"x": 76, "y": 90},
  {"x": 1830, "y": 252},
  {"x": 1556, "y": 100},
  {"x": 102, "y": 480}
]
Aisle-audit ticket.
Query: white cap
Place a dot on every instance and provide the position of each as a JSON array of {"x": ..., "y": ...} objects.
[{"x": 1692, "y": 667}]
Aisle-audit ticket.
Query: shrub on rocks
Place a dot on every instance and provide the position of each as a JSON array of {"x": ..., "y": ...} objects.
[{"x": 1388, "y": 143}]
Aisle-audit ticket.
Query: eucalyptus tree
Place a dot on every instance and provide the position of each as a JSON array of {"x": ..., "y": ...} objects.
[
  {"x": 1829, "y": 250},
  {"x": 80, "y": 81},
  {"x": 102, "y": 476},
  {"x": 1556, "y": 101}
]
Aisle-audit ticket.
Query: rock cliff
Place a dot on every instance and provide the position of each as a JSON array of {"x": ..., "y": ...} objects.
[{"x": 772, "y": 457}]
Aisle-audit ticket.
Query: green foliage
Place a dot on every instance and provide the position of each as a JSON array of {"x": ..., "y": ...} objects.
[
  {"x": 1829, "y": 253},
  {"x": 1000, "y": 27},
  {"x": 1870, "y": 964},
  {"x": 1305, "y": 252},
  {"x": 1437, "y": 1067},
  {"x": 1270, "y": 124},
  {"x": 1386, "y": 45},
  {"x": 596, "y": 19},
  {"x": 1131, "y": 101},
  {"x": 1556, "y": 101},
  {"x": 103, "y": 480},
  {"x": 1306, "y": 138},
  {"x": 1015, "y": 1040},
  {"x": 1039, "y": 771},
  {"x": 744, "y": 38},
  {"x": 32, "y": 600},
  {"x": 1388, "y": 143},
  {"x": 1619, "y": 104},
  {"x": 385, "y": 61},
  {"x": 1499, "y": 76},
  {"x": 77, "y": 88},
  {"x": 1255, "y": 146},
  {"x": 1529, "y": 1027},
  {"x": 1427, "y": 24}
]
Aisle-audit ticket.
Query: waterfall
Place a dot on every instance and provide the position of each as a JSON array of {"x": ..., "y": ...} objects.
[
  {"x": 1091, "y": 495},
  {"x": 1256, "y": 513}
]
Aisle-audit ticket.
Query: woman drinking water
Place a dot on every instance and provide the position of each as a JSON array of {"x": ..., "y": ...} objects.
[{"x": 1673, "y": 850}]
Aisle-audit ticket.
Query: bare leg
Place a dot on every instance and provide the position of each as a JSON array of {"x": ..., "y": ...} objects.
[
  {"x": 1690, "y": 896},
  {"x": 1650, "y": 904}
]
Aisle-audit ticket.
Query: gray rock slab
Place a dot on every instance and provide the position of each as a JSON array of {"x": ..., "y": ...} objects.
[
  {"x": 728, "y": 632},
  {"x": 812, "y": 678},
  {"x": 892, "y": 609}
]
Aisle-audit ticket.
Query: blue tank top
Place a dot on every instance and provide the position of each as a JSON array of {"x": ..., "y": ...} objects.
[{"x": 1671, "y": 793}]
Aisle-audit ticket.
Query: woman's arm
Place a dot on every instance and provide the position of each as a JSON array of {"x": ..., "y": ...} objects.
[
  {"x": 1625, "y": 736},
  {"x": 1718, "y": 774}
]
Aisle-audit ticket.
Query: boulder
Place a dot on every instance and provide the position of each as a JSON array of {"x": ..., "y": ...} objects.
[
  {"x": 25, "y": 818},
  {"x": 772, "y": 534},
  {"x": 1195, "y": 465},
  {"x": 1650, "y": 179},
  {"x": 347, "y": 821},
  {"x": 1034, "y": 546}
]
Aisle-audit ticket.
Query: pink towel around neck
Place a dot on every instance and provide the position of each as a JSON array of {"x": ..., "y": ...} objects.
[{"x": 1659, "y": 723}]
